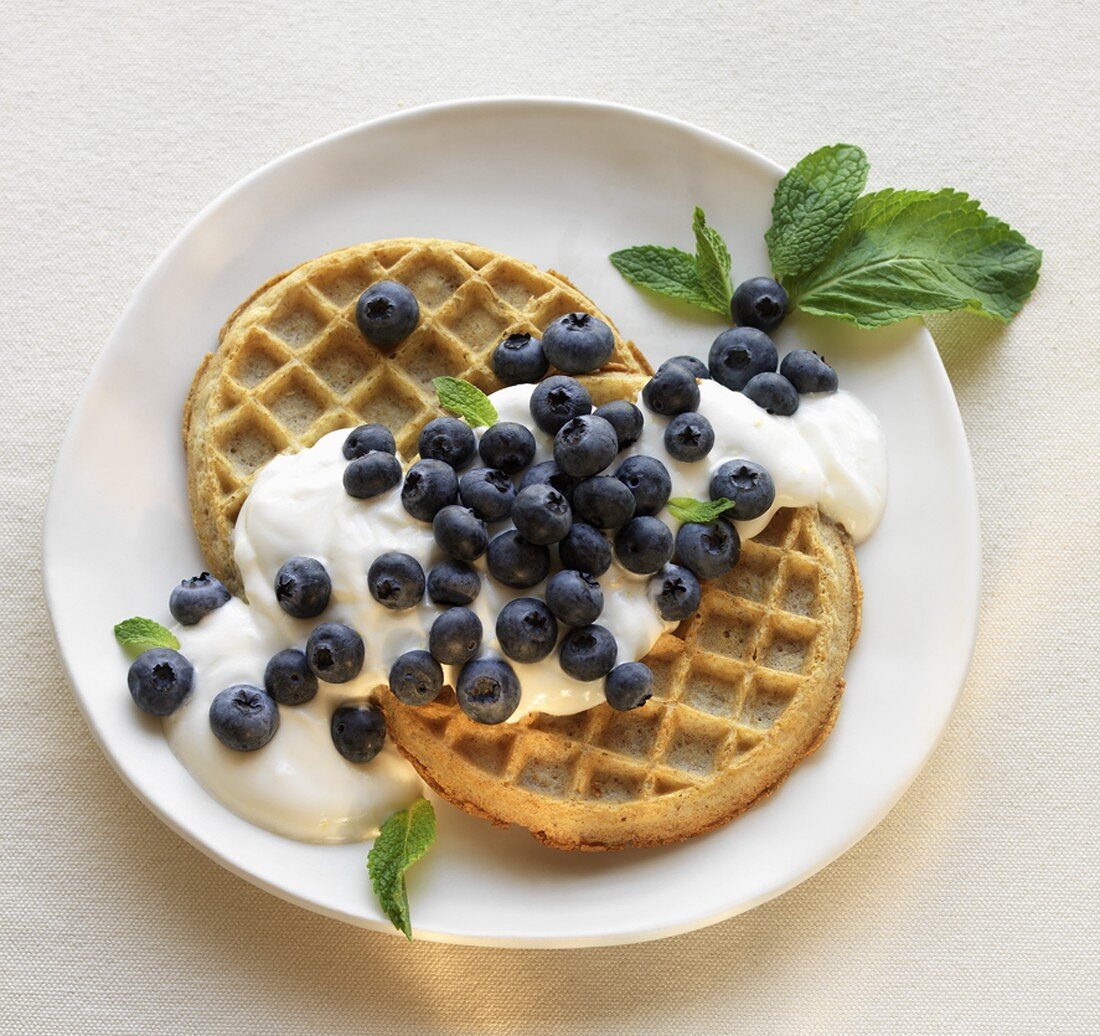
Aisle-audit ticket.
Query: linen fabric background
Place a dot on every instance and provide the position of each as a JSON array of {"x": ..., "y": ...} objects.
[{"x": 973, "y": 908}]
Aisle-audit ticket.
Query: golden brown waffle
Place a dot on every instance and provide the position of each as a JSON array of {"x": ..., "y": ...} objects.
[
  {"x": 743, "y": 691},
  {"x": 291, "y": 364}
]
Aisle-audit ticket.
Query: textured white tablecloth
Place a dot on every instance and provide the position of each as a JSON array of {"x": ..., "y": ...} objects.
[{"x": 972, "y": 909}]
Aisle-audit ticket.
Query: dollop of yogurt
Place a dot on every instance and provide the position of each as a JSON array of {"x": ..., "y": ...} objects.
[{"x": 831, "y": 453}]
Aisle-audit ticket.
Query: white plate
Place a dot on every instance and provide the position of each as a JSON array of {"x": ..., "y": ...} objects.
[{"x": 562, "y": 184}]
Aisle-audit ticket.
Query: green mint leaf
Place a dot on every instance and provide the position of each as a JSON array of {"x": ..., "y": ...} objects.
[
  {"x": 466, "y": 400},
  {"x": 811, "y": 205},
  {"x": 688, "y": 509},
  {"x": 906, "y": 253},
  {"x": 404, "y": 838},
  {"x": 137, "y": 635},
  {"x": 666, "y": 271},
  {"x": 712, "y": 264}
]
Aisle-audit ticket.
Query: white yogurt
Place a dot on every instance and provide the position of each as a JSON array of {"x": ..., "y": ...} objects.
[{"x": 831, "y": 452}]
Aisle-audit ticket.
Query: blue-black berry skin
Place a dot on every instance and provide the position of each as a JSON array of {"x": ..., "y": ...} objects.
[
  {"x": 288, "y": 678},
  {"x": 710, "y": 550},
  {"x": 519, "y": 358},
  {"x": 387, "y": 313},
  {"x": 588, "y": 653},
  {"x": 759, "y": 302},
  {"x": 488, "y": 690},
  {"x": 808, "y": 372},
  {"x": 488, "y": 493},
  {"x": 430, "y": 485},
  {"x": 302, "y": 587},
  {"x": 459, "y": 533},
  {"x": 372, "y": 474},
  {"x": 740, "y": 353},
  {"x": 453, "y": 582},
  {"x": 747, "y": 484},
  {"x": 447, "y": 439},
  {"x": 627, "y": 420},
  {"x": 195, "y": 598},
  {"x": 575, "y": 598},
  {"x": 416, "y": 678},
  {"x": 689, "y": 437},
  {"x": 244, "y": 718},
  {"x": 541, "y": 515},
  {"x": 676, "y": 593},
  {"x": 585, "y": 549},
  {"x": 515, "y": 562},
  {"x": 648, "y": 479},
  {"x": 368, "y": 438},
  {"x": 508, "y": 446},
  {"x": 358, "y": 732},
  {"x": 603, "y": 501},
  {"x": 526, "y": 629},
  {"x": 335, "y": 652},
  {"x": 628, "y": 686},
  {"x": 644, "y": 545},
  {"x": 455, "y": 636},
  {"x": 578, "y": 343},
  {"x": 160, "y": 681},
  {"x": 672, "y": 390},
  {"x": 547, "y": 473},
  {"x": 396, "y": 580},
  {"x": 585, "y": 445},
  {"x": 557, "y": 400},
  {"x": 692, "y": 363},
  {"x": 772, "y": 392}
]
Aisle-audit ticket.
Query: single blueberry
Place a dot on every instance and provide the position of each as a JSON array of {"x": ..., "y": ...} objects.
[
  {"x": 508, "y": 446},
  {"x": 575, "y": 598},
  {"x": 368, "y": 438},
  {"x": 773, "y": 393},
  {"x": 430, "y": 485},
  {"x": 588, "y": 652},
  {"x": 160, "y": 680},
  {"x": 387, "y": 313},
  {"x": 547, "y": 473},
  {"x": 585, "y": 549},
  {"x": 689, "y": 437},
  {"x": 416, "y": 678},
  {"x": 628, "y": 686},
  {"x": 709, "y": 549},
  {"x": 335, "y": 652},
  {"x": 455, "y": 636},
  {"x": 515, "y": 562},
  {"x": 526, "y": 629},
  {"x": 578, "y": 343},
  {"x": 676, "y": 593},
  {"x": 459, "y": 533},
  {"x": 288, "y": 678},
  {"x": 759, "y": 302},
  {"x": 396, "y": 580},
  {"x": 585, "y": 445},
  {"x": 303, "y": 587},
  {"x": 453, "y": 582},
  {"x": 648, "y": 479},
  {"x": 371, "y": 474},
  {"x": 358, "y": 732},
  {"x": 196, "y": 597},
  {"x": 488, "y": 493},
  {"x": 488, "y": 690},
  {"x": 557, "y": 400},
  {"x": 808, "y": 372},
  {"x": 747, "y": 484},
  {"x": 603, "y": 501},
  {"x": 541, "y": 515},
  {"x": 447, "y": 439},
  {"x": 519, "y": 358},
  {"x": 738, "y": 354},
  {"x": 244, "y": 717},
  {"x": 672, "y": 390},
  {"x": 692, "y": 363},
  {"x": 643, "y": 545},
  {"x": 627, "y": 420}
]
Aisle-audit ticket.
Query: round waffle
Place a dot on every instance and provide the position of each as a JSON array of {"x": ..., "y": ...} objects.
[{"x": 291, "y": 364}]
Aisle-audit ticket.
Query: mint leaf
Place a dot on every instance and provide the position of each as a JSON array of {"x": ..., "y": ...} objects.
[
  {"x": 906, "y": 253},
  {"x": 137, "y": 635},
  {"x": 688, "y": 509},
  {"x": 712, "y": 264},
  {"x": 404, "y": 838},
  {"x": 666, "y": 271},
  {"x": 466, "y": 400},
  {"x": 811, "y": 205}
]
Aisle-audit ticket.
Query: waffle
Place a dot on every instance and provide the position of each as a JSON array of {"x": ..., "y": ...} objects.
[
  {"x": 743, "y": 690},
  {"x": 291, "y": 364}
]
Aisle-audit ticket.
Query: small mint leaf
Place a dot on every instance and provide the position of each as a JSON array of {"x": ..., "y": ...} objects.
[
  {"x": 666, "y": 271},
  {"x": 712, "y": 264},
  {"x": 404, "y": 838},
  {"x": 466, "y": 400},
  {"x": 811, "y": 205},
  {"x": 137, "y": 635},
  {"x": 688, "y": 509}
]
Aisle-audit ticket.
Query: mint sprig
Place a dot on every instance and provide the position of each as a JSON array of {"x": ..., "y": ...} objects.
[
  {"x": 137, "y": 635},
  {"x": 712, "y": 263},
  {"x": 688, "y": 509},
  {"x": 466, "y": 400},
  {"x": 404, "y": 838}
]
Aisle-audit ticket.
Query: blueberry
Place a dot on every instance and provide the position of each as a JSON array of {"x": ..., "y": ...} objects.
[
  {"x": 368, "y": 438},
  {"x": 643, "y": 545},
  {"x": 739, "y": 353},
  {"x": 416, "y": 678},
  {"x": 676, "y": 592},
  {"x": 335, "y": 652},
  {"x": 515, "y": 562},
  {"x": 747, "y": 484},
  {"x": 648, "y": 479},
  {"x": 578, "y": 343},
  {"x": 196, "y": 597},
  {"x": 526, "y": 629},
  {"x": 459, "y": 533},
  {"x": 430, "y": 485},
  {"x": 585, "y": 549},
  {"x": 773, "y": 393},
  {"x": 519, "y": 358},
  {"x": 759, "y": 302},
  {"x": 672, "y": 390},
  {"x": 557, "y": 400},
  {"x": 244, "y": 717},
  {"x": 541, "y": 515},
  {"x": 387, "y": 313},
  {"x": 628, "y": 686},
  {"x": 585, "y": 445},
  {"x": 689, "y": 437},
  {"x": 709, "y": 549},
  {"x": 303, "y": 587},
  {"x": 547, "y": 473},
  {"x": 396, "y": 580},
  {"x": 371, "y": 474},
  {"x": 488, "y": 493},
  {"x": 455, "y": 636},
  {"x": 692, "y": 363},
  {"x": 808, "y": 372},
  {"x": 447, "y": 439},
  {"x": 588, "y": 652},
  {"x": 160, "y": 680},
  {"x": 625, "y": 418},
  {"x": 453, "y": 582},
  {"x": 508, "y": 446},
  {"x": 358, "y": 732},
  {"x": 575, "y": 598},
  {"x": 288, "y": 678},
  {"x": 603, "y": 501},
  {"x": 488, "y": 690}
]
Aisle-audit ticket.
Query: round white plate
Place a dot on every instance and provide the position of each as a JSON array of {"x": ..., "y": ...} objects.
[{"x": 562, "y": 184}]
